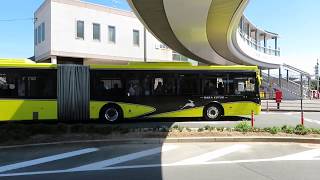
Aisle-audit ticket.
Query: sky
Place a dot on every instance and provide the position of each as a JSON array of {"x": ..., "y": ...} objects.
[{"x": 296, "y": 21}]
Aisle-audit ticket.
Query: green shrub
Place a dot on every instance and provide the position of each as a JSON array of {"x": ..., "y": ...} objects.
[
  {"x": 301, "y": 130},
  {"x": 257, "y": 130},
  {"x": 164, "y": 129},
  {"x": 275, "y": 130},
  {"x": 180, "y": 128},
  {"x": 209, "y": 128},
  {"x": 243, "y": 127},
  {"x": 188, "y": 129},
  {"x": 175, "y": 127},
  {"x": 200, "y": 129},
  {"x": 287, "y": 129},
  {"x": 315, "y": 131},
  {"x": 267, "y": 129}
]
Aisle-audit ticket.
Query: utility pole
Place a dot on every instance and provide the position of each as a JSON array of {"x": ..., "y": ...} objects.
[
  {"x": 34, "y": 38},
  {"x": 145, "y": 44},
  {"x": 317, "y": 74},
  {"x": 301, "y": 100}
]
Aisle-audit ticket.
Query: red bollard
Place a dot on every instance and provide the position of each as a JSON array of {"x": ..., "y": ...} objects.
[
  {"x": 302, "y": 118},
  {"x": 252, "y": 119}
]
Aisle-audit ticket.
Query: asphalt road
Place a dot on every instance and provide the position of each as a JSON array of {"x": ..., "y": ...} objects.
[
  {"x": 265, "y": 119},
  {"x": 285, "y": 161}
]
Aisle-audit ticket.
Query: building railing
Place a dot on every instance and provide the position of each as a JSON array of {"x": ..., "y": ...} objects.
[{"x": 256, "y": 45}]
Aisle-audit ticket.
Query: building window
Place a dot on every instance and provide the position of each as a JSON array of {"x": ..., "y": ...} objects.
[
  {"x": 39, "y": 34},
  {"x": 136, "y": 38},
  {"x": 96, "y": 31},
  {"x": 112, "y": 34},
  {"x": 178, "y": 57},
  {"x": 162, "y": 46},
  {"x": 43, "y": 32},
  {"x": 80, "y": 29}
]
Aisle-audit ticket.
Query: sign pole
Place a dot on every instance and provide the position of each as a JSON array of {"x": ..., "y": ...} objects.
[{"x": 301, "y": 96}]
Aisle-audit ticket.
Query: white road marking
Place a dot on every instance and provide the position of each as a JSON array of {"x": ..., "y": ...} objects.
[
  {"x": 312, "y": 121},
  {"x": 121, "y": 159},
  {"x": 305, "y": 155},
  {"x": 46, "y": 159},
  {"x": 206, "y": 122},
  {"x": 279, "y": 113},
  {"x": 145, "y": 166},
  {"x": 214, "y": 154},
  {"x": 292, "y": 114}
]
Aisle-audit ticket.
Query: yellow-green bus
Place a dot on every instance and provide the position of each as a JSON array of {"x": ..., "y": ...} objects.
[{"x": 39, "y": 91}]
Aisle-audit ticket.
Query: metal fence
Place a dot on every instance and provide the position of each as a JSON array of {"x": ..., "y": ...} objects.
[{"x": 307, "y": 105}]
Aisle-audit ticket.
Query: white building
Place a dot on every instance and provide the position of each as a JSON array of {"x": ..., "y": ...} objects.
[{"x": 72, "y": 31}]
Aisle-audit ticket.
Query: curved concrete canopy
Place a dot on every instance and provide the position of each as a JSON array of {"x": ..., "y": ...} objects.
[{"x": 201, "y": 30}]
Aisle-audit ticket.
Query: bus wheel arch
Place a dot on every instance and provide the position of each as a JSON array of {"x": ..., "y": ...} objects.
[
  {"x": 213, "y": 111},
  {"x": 111, "y": 113}
]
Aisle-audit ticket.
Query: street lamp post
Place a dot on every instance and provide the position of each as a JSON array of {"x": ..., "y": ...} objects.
[
  {"x": 301, "y": 96},
  {"x": 145, "y": 45},
  {"x": 317, "y": 74}
]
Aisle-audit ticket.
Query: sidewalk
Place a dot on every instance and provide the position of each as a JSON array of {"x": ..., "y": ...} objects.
[{"x": 294, "y": 105}]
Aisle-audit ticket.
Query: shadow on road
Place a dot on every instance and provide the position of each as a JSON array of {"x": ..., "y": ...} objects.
[
  {"x": 173, "y": 120},
  {"x": 155, "y": 173}
]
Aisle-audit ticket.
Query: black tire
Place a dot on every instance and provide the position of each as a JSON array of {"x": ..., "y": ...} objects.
[
  {"x": 212, "y": 112},
  {"x": 111, "y": 113}
]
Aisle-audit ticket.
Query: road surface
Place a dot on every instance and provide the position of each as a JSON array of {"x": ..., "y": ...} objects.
[{"x": 243, "y": 161}]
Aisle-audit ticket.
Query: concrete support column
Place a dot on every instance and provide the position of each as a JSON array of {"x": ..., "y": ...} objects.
[
  {"x": 256, "y": 38},
  {"x": 309, "y": 88},
  {"x": 287, "y": 75},
  {"x": 54, "y": 60},
  {"x": 276, "y": 45},
  {"x": 301, "y": 85},
  {"x": 241, "y": 24},
  {"x": 268, "y": 76},
  {"x": 265, "y": 43},
  {"x": 280, "y": 77}
]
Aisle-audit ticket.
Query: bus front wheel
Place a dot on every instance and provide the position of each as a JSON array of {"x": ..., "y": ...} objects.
[
  {"x": 212, "y": 112},
  {"x": 111, "y": 113}
]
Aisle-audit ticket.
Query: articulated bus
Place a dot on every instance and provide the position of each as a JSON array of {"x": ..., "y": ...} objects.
[{"x": 39, "y": 91}]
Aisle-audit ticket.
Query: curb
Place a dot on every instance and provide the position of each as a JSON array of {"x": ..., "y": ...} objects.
[{"x": 172, "y": 140}]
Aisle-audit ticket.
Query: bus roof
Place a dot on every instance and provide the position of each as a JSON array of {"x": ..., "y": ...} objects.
[
  {"x": 27, "y": 63},
  {"x": 173, "y": 66},
  {"x": 23, "y": 63}
]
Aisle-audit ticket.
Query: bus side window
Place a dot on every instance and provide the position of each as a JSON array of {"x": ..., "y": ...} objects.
[
  {"x": 158, "y": 88},
  {"x": 164, "y": 86},
  {"x": 189, "y": 85},
  {"x": 133, "y": 88},
  {"x": 243, "y": 85},
  {"x": 210, "y": 86},
  {"x": 28, "y": 84},
  {"x": 108, "y": 87},
  {"x": 147, "y": 85},
  {"x": 8, "y": 86}
]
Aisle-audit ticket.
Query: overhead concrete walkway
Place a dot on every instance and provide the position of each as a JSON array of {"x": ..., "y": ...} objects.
[{"x": 204, "y": 30}]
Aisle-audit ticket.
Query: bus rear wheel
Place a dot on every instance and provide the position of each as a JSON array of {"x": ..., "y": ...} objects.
[
  {"x": 111, "y": 114},
  {"x": 212, "y": 112}
]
